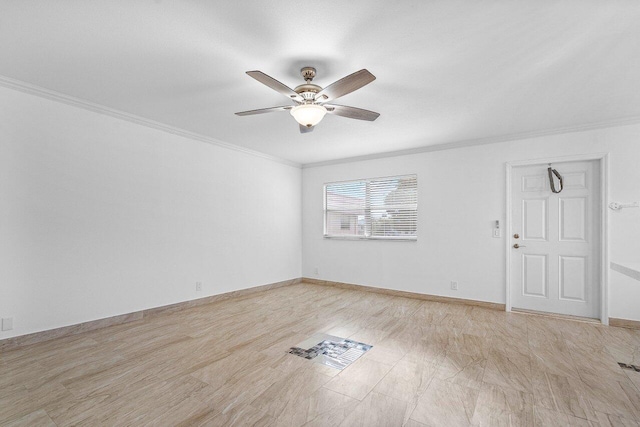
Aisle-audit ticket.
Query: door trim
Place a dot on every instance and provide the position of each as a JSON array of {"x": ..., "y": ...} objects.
[{"x": 603, "y": 159}]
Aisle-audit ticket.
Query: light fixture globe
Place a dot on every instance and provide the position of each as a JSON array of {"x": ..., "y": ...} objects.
[{"x": 308, "y": 115}]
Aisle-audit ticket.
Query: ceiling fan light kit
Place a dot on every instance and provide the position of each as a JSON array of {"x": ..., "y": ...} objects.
[
  {"x": 311, "y": 99},
  {"x": 308, "y": 115}
]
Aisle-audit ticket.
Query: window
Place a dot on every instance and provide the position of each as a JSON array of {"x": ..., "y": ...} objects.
[
  {"x": 377, "y": 208},
  {"x": 345, "y": 222}
]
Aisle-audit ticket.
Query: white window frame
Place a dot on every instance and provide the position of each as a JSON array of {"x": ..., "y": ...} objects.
[{"x": 367, "y": 236}]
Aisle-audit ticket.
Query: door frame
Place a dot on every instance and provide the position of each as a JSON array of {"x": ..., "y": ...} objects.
[{"x": 603, "y": 159}]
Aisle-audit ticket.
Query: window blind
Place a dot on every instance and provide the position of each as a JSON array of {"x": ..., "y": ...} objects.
[{"x": 375, "y": 208}]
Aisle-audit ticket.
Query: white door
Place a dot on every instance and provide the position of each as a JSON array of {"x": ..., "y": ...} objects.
[{"x": 556, "y": 267}]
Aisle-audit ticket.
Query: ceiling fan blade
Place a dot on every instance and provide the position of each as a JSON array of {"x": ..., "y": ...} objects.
[
  {"x": 351, "y": 112},
  {"x": 264, "y": 110},
  {"x": 305, "y": 129},
  {"x": 345, "y": 85},
  {"x": 275, "y": 85}
]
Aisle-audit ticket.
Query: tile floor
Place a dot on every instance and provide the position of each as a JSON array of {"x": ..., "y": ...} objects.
[{"x": 432, "y": 364}]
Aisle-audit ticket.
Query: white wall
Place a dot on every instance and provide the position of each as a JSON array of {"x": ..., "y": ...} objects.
[
  {"x": 461, "y": 194},
  {"x": 100, "y": 216}
]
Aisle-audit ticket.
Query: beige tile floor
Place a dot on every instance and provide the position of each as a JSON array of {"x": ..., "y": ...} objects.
[{"x": 433, "y": 364}]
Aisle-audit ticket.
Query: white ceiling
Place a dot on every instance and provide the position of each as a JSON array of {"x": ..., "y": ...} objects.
[{"x": 447, "y": 71}]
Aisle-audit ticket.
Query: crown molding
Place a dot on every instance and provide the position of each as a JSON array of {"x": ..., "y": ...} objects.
[
  {"x": 52, "y": 95},
  {"x": 29, "y": 88},
  {"x": 625, "y": 121}
]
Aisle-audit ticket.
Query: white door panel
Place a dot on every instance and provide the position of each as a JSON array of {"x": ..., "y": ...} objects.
[
  {"x": 534, "y": 219},
  {"x": 534, "y": 275},
  {"x": 573, "y": 219},
  {"x": 556, "y": 267},
  {"x": 533, "y": 183},
  {"x": 575, "y": 181},
  {"x": 573, "y": 278}
]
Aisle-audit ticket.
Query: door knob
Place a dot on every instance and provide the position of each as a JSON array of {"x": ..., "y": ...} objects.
[
  {"x": 516, "y": 236},
  {"x": 516, "y": 246}
]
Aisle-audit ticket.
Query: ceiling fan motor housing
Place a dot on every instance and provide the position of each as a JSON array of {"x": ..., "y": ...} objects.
[{"x": 308, "y": 91}]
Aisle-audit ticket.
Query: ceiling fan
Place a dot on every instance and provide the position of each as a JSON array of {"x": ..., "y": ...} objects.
[{"x": 312, "y": 101}]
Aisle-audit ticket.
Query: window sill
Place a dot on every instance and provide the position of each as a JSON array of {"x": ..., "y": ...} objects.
[{"x": 392, "y": 239}]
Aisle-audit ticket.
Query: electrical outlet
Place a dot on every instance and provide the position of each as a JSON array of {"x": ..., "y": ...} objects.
[
  {"x": 198, "y": 286},
  {"x": 454, "y": 286},
  {"x": 316, "y": 271},
  {"x": 7, "y": 324}
]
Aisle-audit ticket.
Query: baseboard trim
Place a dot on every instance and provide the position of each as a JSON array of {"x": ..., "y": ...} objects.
[
  {"x": 407, "y": 294},
  {"x": 65, "y": 331},
  {"x": 624, "y": 323},
  {"x": 214, "y": 298}
]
